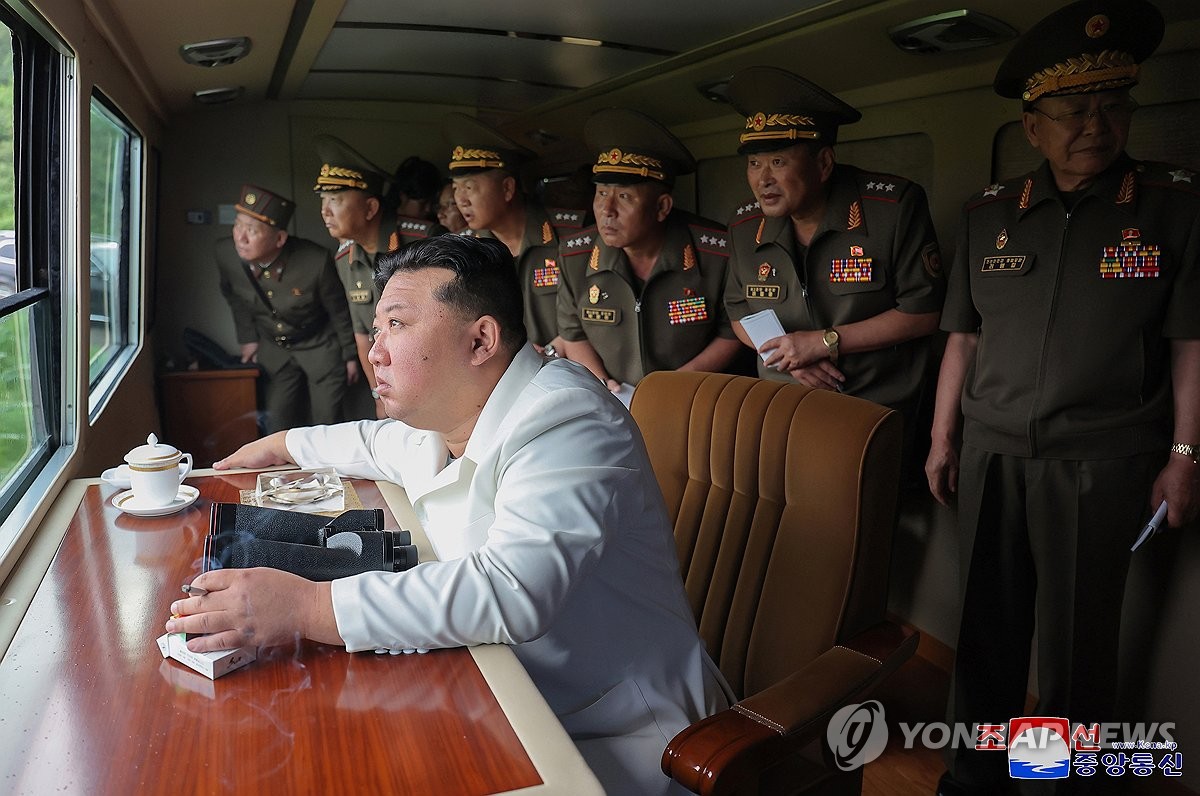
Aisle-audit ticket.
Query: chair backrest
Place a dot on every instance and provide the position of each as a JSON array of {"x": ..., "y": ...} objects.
[{"x": 783, "y": 500}]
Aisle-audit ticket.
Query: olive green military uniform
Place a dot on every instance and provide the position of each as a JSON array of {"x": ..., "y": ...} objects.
[
  {"x": 305, "y": 344},
  {"x": 1067, "y": 405},
  {"x": 637, "y": 329},
  {"x": 345, "y": 169},
  {"x": 477, "y": 148},
  {"x": 538, "y": 265},
  {"x": 409, "y": 229},
  {"x": 356, "y": 269},
  {"x": 1067, "y": 421},
  {"x": 875, "y": 251}
]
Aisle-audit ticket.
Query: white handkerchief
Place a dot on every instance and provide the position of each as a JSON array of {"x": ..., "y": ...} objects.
[{"x": 762, "y": 326}]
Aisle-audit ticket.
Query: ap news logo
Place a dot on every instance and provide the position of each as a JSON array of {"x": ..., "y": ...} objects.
[{"x": 1038, "y": 746}]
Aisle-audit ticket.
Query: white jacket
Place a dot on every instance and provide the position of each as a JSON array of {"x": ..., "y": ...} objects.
[{"x": 552, "y": 536}]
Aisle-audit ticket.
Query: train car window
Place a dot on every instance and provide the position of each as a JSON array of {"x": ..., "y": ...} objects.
[
  {"x": 115, "y": 184},
  {"x": 722, "y": 181},
  {"x": 1164, "y": 132},
  {"x": 35, "y": 106}
]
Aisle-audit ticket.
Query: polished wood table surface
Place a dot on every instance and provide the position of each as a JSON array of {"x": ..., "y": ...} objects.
[{"x": 88, "y": 704}]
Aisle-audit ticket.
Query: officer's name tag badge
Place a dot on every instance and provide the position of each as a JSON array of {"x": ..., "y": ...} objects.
[
  {"x": 597, "y": 315},
  {"x": 1008, "y": 263},
  {"x": 359, "y": 296},
  {"x": 687, "y": 310},
  {"x": 768, "y": 292}
]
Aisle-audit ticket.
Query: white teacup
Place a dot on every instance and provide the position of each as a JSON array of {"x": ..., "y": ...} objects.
[{"x": 155, "y": 472}]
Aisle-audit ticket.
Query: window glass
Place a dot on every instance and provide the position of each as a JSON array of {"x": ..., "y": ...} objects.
[
  {"x": 34, "y": 97},
  {"x": 8, "y": 240},
  {"x": 22, "y": 409},
  {"x": 113, "y": 150}
]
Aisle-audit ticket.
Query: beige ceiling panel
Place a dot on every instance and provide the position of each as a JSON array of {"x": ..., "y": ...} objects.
[
  {"x": 470, "y": 92},
  {"x": 536, "y": 61},
  {"x": 663, "y": 24}
]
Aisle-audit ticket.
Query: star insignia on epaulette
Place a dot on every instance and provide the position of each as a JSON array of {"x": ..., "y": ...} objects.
[
  {"x": 993, "y": 189},
  {"x": 891, "y": 186},
  {"x": 1181, "y": 175},
  {"x": 741, "y": 211}
]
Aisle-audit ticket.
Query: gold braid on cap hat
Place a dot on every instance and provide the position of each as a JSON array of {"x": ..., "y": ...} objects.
[
  {"x": 760, "y": 121},
  {"x": 462, "y": 158},
  {"x": 1089, "y": 71},
  {"x": 336, "y": 175},
  {"x": 616, "y": 161},
  {"x": 241, "y": 208}
]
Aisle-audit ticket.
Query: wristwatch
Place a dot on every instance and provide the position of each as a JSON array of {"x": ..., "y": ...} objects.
[
  {"x": 1186, "y": 450},
  {"x": 830, "y": 339}
]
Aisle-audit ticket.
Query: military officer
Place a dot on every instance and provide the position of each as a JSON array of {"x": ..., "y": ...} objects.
[
  {"x": 447, "y": 210},
  {"x": 1074, "y": 361},
  {"x": 484, "y": 165},
  {"x": 642, "y": 289},
  {"x": 352, "y": 191},
  {"x": 289, "y": 311},
  {"x": 847, "y": 259},
  {"x": 414, "y": 194}
]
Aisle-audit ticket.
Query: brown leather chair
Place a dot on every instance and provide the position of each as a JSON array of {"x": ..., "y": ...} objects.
[{"x": 784, "y": 501}]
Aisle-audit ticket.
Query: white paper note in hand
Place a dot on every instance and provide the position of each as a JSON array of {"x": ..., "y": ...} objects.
[
  {"x": 761, "y": 327},
  {"x": 1151, "y": 527},
  {"x": 625, "y": 394}
]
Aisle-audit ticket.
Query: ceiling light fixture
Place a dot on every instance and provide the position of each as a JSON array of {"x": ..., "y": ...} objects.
[
  {"x": 215, "y": 96},
  {"x": 953, "y": 30},
  {"x": 715, "y": 90},
  {"x": 217, "y": 52}
]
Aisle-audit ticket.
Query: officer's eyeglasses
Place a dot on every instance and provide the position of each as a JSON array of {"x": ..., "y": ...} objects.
[{"x": 1075, "y": 120}]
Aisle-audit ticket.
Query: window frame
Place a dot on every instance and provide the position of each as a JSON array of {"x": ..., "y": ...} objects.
[
  {"x": 104, "y": 385},
  {"x": 45, "y": 101}
]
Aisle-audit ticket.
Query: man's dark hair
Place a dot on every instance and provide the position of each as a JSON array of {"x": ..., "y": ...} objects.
[
  {"x": 417, "y": 179},
  {"x": 485, "y": 279}
]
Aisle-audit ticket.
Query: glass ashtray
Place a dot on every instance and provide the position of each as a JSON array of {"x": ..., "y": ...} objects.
[{"x": 319, "y": 489}]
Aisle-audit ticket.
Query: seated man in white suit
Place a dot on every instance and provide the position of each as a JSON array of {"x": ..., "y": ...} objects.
[{"x": 534, "y": 487}]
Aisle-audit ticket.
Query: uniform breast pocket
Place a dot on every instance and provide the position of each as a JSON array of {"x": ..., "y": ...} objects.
[
  {"x": 856, "y": 275},
  {"x": 545, "y": 277}
]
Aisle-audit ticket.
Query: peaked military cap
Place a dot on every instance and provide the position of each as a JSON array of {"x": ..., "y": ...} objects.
[
  {"x": 475, "y": 147},
  {"x": 343, "y": 168},
  {"x": 782, "y": 109},
  {"x": 1091, "y": 45},
  {"x": 265, "y": 206},
  {"x": 632, "y": 147}
]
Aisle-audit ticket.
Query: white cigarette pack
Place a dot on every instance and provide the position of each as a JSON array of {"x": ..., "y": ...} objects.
[{"x": 210, "y": 664}]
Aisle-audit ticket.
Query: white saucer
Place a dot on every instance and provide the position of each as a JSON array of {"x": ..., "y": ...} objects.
[
  {"x": 117, "y": 476},
  {"x": 126, "y": 502}
]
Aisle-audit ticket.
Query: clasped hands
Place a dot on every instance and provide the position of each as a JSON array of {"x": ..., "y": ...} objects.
[{"x": 805, "y": 357}]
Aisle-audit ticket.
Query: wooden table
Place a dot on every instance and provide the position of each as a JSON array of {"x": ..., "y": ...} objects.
[{"x": 88, "y": 705}]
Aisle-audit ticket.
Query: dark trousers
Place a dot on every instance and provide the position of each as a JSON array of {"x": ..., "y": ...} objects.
[
  {"x": 1045, "y": 544},
  {"x": 304, "y": 385}
]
